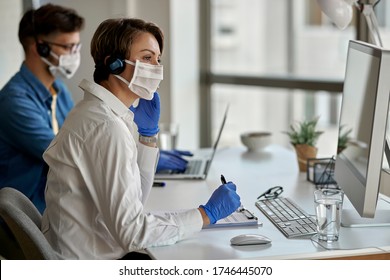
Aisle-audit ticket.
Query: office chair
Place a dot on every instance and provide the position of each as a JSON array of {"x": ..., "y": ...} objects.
[
  {"x": 9, "y": 247},
  {"x": 24, "y": 222}
]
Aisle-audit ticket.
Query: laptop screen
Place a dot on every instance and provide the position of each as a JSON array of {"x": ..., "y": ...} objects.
[{"x": 218, "y": 138}]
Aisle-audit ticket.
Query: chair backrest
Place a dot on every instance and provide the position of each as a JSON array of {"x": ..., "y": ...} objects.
[
  {"x": 9, "y": 247},
  {"x": 24, "y": 221}
]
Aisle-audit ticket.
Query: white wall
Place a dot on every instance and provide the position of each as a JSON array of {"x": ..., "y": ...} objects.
[
  {"x": 185, "y": 71},
  {"x": 11, "y": 52}
]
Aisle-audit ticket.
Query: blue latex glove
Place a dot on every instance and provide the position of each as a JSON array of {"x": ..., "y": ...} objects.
[
  {"x": 147, "y": 115},
  {"x": 172, "y": 160},
  {"x": 222, "y": 202}
]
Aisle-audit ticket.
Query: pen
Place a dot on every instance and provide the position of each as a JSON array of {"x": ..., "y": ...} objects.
[
  {"x": 241, "y": 208},
  {"x": 158, "y": 184},
  {"x": 223, "y": 180}
]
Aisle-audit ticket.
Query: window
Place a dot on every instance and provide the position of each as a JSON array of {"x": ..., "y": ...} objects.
[{"x": 261, "y": 41}]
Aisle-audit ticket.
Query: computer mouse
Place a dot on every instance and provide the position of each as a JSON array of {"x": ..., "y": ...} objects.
[{"x": 249, "y": 239}]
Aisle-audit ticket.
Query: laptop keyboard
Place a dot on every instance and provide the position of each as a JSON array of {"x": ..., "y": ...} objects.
[
  {"x": 288, "y": 217},
  {"x": 193, "y": 167}
]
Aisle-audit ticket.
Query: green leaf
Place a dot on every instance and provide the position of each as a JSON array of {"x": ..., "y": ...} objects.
[{"x": 304, "y": 132}]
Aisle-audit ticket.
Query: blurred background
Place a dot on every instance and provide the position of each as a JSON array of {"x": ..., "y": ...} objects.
[{"x": 274, "y": 62}]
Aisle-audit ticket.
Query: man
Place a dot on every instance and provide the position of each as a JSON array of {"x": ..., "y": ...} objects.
[{"x": 34, "y": 102}]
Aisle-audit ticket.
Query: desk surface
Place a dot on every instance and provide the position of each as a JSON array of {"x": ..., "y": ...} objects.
[{"x": 253, "y": 173}]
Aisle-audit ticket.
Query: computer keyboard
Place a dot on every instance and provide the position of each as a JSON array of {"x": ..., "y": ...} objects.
[
  {"x": 193, "y": 167},
  {"x": 288, "y": 217}
]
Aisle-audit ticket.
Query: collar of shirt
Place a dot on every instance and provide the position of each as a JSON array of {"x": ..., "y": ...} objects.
[
  {"x": 38, "y": 88},
  {"x": 108, "y": 98}
]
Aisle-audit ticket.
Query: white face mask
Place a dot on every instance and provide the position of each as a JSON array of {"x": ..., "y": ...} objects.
[
  {"x": 146, "y": 79},
  {"x": 67, "y": 64}
]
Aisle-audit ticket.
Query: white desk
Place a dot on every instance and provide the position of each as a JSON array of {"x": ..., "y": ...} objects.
[{"x": 253, "y": 174}]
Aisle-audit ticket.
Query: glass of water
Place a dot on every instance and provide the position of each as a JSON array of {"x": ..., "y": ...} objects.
[
  {"x": 328, "y": 207},
  {"x": 167, "y": 137}
]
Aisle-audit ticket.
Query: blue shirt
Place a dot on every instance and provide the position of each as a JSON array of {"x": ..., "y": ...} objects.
[{"x": 26, "y": 131}]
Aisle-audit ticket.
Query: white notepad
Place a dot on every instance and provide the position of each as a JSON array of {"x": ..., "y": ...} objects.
[{"x": 240, "y": 217}]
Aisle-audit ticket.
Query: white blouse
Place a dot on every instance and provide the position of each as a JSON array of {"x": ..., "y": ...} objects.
[{"x": 99, "y": 178}]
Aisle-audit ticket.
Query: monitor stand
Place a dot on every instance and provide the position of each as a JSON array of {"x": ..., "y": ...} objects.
[{"x": 350, "y": 218}]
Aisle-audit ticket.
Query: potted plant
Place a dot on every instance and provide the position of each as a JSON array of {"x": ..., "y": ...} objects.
[
  {"x": 304, "y": 137},
  {"x": 343, "y": 139}
]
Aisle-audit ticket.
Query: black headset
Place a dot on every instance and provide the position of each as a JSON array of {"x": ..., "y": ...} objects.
[
  {"x": 115, "y": 65},
  {"x": 43, "y": 49}
]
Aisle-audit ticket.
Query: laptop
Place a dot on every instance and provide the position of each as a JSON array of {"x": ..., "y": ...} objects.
[{"x": 199, "y": 164}]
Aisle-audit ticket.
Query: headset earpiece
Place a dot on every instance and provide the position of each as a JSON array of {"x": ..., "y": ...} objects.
[
  {"x": 115, "y": 65},
  {"x": 43, "y": 49}
]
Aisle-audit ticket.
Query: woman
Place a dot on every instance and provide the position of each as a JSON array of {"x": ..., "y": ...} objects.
[{"x": 102, "y": 161}]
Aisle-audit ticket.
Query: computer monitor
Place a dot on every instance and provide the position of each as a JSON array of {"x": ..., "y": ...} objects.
[{"x": 364, "y": 110}]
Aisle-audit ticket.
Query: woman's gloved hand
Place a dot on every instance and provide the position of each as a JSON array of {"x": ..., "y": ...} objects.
[
  {"x": 172, "y": 160},
  {"x": 147, "y": 115},
  {"x": 222, "y": 202}
]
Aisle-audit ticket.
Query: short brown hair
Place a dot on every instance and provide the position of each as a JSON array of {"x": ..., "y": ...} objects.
[
  {"x": 114, "y": 37},
  {"x": 48, "y": 19}
]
